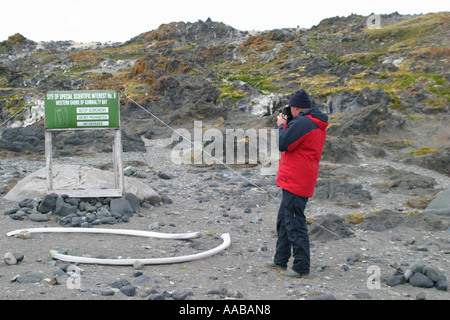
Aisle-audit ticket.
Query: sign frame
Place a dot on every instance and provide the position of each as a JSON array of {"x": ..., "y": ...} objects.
[{"x": 49, "y": 127}]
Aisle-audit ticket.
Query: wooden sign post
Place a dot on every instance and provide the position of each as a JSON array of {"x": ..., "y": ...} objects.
[{"x": 84, "y": 110}]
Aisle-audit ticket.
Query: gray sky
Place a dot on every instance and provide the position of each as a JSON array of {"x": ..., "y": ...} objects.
[{"x": 113, "y": 20}]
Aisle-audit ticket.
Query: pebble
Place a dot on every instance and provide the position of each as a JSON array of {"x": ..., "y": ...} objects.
[
  {"x": 421, "y": 296},
  {"x": 442, "y": 285},
  {"x": 29, "y": 278},
  {"x": 107, "y": 292},
  {"x": 164, "y": 175},
  {"x": 38, "y": 217},
  {"x": 128, "y": 290},
  {"x": 395, "y": 280},
  {"x": 142, "y": 279},
  {"x": 155, "y": 296},
  {"x": 417, "y": 266},
  {"x": 120, "y": 283},
  {"x": 420, "y": 280},
  {"x": 10, "y": 259},
  {"x": 323, "y": 297}
]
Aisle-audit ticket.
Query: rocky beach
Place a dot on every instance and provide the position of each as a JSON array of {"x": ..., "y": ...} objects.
[{"x": 379, "y": 220}]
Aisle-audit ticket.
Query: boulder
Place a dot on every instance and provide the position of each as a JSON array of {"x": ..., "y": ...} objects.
[{"x": 70, "y": 177}]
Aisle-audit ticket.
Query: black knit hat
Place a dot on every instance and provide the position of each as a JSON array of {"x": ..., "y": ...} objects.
[{"x": 300, "y": 99}]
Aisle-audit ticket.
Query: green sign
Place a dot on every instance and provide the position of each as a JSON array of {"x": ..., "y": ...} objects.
[{"x": 81, "y": 109}]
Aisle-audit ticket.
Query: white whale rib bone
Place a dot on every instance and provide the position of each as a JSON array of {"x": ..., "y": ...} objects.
[
  {"x": 138, "y": 233},
  {"x": 75, "y": 259},
  {"x": 122, "y": 262}
]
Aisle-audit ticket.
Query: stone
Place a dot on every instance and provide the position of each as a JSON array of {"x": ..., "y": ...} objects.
[
  {"x": 133, "y": 200},
  {"x": 142, "y": 279},
  {"x": 47, "y": 204},
  {"x": 19, "y": 256},
  {"x": 164, "y": 175},
  {"x": 434, "y": 274},
  {"x": 138, "y": 265},
  {"x": 10, "y": 211},
  {"x": 420, "y": 280},
  {"x": 103, "y": 212},
  {"x": 71, "y": 176},
  {"x": 10, "y": 259},
  {"x": 382, "y": 220},
  {"x": 421, "y": 296},
  {"x": 128, "y": 290},
  {"x": 441, "y": 202},
  {"x": 121, "y": 207},
  {"x": 417, "y": 266},
  {"x": 108, "y": 220},
  {"x": 395, "y": 280},
  {"x": 323, "y": 297},
  {"x": 120, "y": 283},
  {"x": 38, "y": 217},
  {"x": 30, "y": 278},
  {"x": 128, "y": 171},
  {"x": 408, "y": 274},
  {"x": 333, "y": 223},
  {"x": 64, "y": 209},
  {"x": 23, "y": 203},
  {"x": 155, "y": 296},
  {"x": 107, "y": 292},
  {"x": 441, "y": 285}
]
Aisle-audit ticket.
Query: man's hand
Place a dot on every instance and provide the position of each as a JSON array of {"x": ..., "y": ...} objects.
[{"x": 281, "y": 120}]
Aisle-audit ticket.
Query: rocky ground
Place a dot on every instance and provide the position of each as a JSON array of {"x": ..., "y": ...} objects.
[{"x": 214, "y": 200}]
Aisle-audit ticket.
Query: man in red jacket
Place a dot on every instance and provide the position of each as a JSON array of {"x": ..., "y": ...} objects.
[{"x": 300, "y": 142}]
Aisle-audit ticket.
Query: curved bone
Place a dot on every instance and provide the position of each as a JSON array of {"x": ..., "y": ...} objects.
[
  {"x": 180, "y": 236},
  {"x": 122, "y": 262},
  {"x": 138, "y": 233}
]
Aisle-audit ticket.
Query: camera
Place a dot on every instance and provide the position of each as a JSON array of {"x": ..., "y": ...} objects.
[{"x": 286, "y": 111}]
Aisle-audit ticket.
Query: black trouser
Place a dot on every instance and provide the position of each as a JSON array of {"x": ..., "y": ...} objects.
[{"x": 292, "y": 233}]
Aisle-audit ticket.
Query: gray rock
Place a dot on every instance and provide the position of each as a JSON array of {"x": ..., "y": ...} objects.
[
  {"x": 421, "y": 296},
  {"x": 408, "y": 274},
  {"x": 121, "y": 207},
  {"x": 128, "y": 171},
  {"x": 64, "y": 209},
  {"x": 103, "y": 212},
  {"x": 420, "y": 280},
  {"x": 164, "y": 175},
  {"x": 38, "y": 217},
  {"x": 332, "y": 222},
  {"x": 128, "y": 290},
  {"x": 323, "y": 297},
  {"x": 417, "y": 266},
  {"x": 120, "y": 283},
  {"x": 142, "y": 279},
  {"x": 107, "y": 292},
  {"x": 441, "y": 285},
  {"x": 30, "y": 278},
  {"x": 395, "y": 280},
  {"x": 382, "y": 220},
  {"x": 155, "y": 296},
  {"x": 434, "y": 274},
  {"x": 10, "y": 211},
  {"x": 25, "y": 202},
  {"x": 76, "y": 222},
  {"x": 108, "y": 220},
  {"x": 18, "y": 256},
  {"x": 441, "y": 202},
  {"x": 133, "y": 200}
]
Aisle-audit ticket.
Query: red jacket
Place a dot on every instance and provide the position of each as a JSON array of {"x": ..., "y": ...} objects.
[{"x": 301, "y": 142}]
